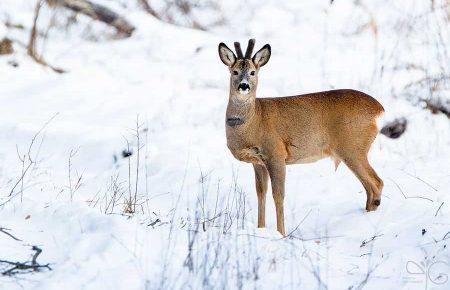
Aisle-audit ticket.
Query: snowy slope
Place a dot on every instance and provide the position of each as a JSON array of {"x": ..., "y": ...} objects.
[{"x": 195, "y": 224}]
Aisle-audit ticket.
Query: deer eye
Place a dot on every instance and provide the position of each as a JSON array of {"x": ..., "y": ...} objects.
[
  {"x": 252, "y": 72},
  {"x": 235, "y": 72}
]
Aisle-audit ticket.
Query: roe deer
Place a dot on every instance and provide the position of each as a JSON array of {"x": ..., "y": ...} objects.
[{"x": 271, "y": 133}]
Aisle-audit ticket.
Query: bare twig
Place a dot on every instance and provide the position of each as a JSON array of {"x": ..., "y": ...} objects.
[
  {"x": 365, "y": 242},
  {"x": 73, "y": 187},
  {"x": 289, "y": 235},
  {"x": 132, "y": 200},
  {"x": 418, "y": 178},
  {"x": 28, "y": 161},
  {"x": 138, "y": 139},
  {"x": 129, "y": 203},
  {"x": 4, "y": 230},
  {"x": 437, "y": 106},
  {"x": 183, "y": 7},
  {"x": 439, "y": 209},
  {"x": 149, "y": 9},
  {"x": 407, "y": 197},
  {"x": 31, "y": 48},
  {"x": 25, "y": 267}
]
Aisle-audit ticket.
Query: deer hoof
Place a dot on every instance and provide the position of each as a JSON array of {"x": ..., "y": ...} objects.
[{"x": 373, "y": 206}]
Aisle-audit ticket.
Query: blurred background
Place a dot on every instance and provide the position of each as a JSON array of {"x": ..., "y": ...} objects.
[{"x": 112, "y": 125}]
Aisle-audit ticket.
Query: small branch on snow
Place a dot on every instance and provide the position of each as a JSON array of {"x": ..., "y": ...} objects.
[
  {"x": 290, "y": 234},
  {"x": 4, "y": 230},
  {"x": 25, "y": 267},
  {"x": 439, "y": 209},
  {"x": 420, "y": 179},
  {"x": 437, "y": 106},
  {"x": 371, "y": 268},
  {"x": 365, "y": 242},
  {"x": 407, "y": 197}
]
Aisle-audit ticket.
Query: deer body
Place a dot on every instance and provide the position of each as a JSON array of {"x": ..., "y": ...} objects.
[{"x": 271, "y": 133}]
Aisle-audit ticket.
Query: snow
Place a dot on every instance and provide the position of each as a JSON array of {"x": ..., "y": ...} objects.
[{"x": 195, "y": 226}]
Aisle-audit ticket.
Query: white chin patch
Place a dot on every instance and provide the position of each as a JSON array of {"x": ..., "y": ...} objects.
[{"x": 244, "y": 92}]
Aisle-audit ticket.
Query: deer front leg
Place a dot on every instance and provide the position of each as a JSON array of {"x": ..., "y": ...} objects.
[
  {"x": 277, "y": 172},
  {"x": 261, "y": 180}
]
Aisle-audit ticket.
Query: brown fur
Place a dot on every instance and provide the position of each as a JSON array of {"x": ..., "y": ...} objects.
[{"x": 276, "y": 132}]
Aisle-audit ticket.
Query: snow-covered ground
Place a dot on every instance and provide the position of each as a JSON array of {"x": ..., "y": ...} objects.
[{"x": 195, "y": 220}]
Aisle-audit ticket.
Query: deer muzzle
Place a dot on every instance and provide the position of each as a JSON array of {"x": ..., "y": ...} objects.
[{"x": 244, "y": 88}]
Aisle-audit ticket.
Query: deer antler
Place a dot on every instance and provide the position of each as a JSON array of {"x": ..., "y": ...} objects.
[
  {"x": 250, "y": 46},
  {"x": 237, "y": 46}
]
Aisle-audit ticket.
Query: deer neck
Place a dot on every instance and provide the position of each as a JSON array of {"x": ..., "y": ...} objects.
[{"x": 240, "y": 112}]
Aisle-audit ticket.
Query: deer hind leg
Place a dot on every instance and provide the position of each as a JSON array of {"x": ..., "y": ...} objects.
[
  {"x": 373, "y": 184},
  {"x": 261, "y": 180},
  {"x": 378, "y": 183}
]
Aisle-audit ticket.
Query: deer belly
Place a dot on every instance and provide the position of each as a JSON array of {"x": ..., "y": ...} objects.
[
  {"x": 307, "y": 159},
  {"x": 296, "y": 156},
  {"x": 250, "y": 155}
]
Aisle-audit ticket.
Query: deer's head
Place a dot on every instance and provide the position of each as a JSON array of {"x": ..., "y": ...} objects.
[{"x": 244, "y": 68}]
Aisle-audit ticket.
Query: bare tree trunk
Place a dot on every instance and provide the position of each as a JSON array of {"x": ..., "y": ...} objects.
[{"x": 97, "y": 12}]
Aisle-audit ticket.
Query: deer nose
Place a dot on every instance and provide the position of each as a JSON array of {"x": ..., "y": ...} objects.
[{"x": 243, "y": 87}]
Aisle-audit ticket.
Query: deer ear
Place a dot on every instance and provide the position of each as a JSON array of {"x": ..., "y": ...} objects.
[
  {"x": 262, "y": 56},
  {"x": 226, "y": 55}
]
